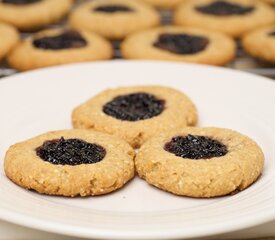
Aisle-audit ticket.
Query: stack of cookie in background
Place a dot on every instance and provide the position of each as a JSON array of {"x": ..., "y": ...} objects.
[{"x": 199, "y": 31}]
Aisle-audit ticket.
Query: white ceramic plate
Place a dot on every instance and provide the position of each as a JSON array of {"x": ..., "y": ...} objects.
[{"x": 35, "y": 102}]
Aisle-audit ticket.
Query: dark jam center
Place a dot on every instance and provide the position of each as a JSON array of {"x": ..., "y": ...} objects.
[
  {"x": 70, "y": 152},
  {"x": 68, "y": 39},
  {"x": 181, "y": 43},
  {"x": 223, "y": 8},
  {"x": 20, "y": 2},
  {"x": 272, "y": 34},
  {"x": 113, "y": 9},
  {"x": 195, "y": 147},
  {"x": 134, "y": 107}
]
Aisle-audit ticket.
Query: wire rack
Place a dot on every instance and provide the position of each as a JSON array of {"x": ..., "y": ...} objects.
[{"x": 242, "y": 61}]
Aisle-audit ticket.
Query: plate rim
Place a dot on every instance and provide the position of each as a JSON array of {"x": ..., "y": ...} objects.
[{"x": 58, "y": 228}]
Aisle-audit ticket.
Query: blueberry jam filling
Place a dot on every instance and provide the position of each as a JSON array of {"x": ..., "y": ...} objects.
[
  {"x": 223, "y": 8},
  {"x": 70, "y": 152},
  {"x": 113, "y": 9},
  {"x": 134, "y": 107},
  {"x": 272, "y": 34},
  {"x": 195, "y": 147},
  {"x": 20, "y": 2},
  {"x": 67, "y": 39},
  {"x": 181, "y": 43}
]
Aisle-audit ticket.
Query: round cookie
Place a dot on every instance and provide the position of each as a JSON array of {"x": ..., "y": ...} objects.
[
  {"x": 260, "y": 43},
  {"x": 164, "y": 4},
  {"x": 136, "y": 113},
  {"x": 9, "y": 38},
  {"x": 180, "y": 44},
  {"x": 71, "y": 163},
  {"x": 114, "y": 19},
  {"x": 33, "y": 14},
  {"x": 200, "y": 162},
  {"x": 59, "y": 46},
  {"x": 268, "y": 1},
  {"x": 233, "y": 17}
]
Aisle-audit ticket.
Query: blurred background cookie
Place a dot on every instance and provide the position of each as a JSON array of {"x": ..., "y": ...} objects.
[
  {"x": 233, "y": 17},
  {"x": 136, "y": 113},
  {"x": 260, "y": 43},
  {"x": 114, "y": 19},
  {"x": 59, "y": 46},
  {"x": 268, "y": 1},
  {"x": 180, "y": 44},
  {"x": 9, "y": 38},
  {"x": 164, "y": 4},
  {"x": 33, "y": 14}
]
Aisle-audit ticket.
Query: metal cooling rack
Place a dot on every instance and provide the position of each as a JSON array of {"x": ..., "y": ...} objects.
[{"x": 242, "y": 61}]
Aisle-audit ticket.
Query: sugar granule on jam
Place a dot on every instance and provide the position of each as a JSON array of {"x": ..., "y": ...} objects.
[
  {"x": 134, "y": 107},
  {"x": 195, "y": 147},
  {"x": 70, "y": 152}
]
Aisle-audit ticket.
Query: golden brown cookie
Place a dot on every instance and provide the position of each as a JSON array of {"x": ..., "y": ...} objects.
[
  {"x": 9, "y": 38},
  {"x": 33, "y": 14},
  {"x": 59, "y": 46},
  {"x": 260, "y": 43},
  {"x": 114, "y": 19},
  {"x": 180, "y": 44},
  {"x": 200, "y": 162},
  {"x": 233, "y": 17},
  {"x": 71, "y": 163},
  {"x": 136, "y": 113},
  {"x": 164, "y": 4},
  {"x": 268, "y": 1}
]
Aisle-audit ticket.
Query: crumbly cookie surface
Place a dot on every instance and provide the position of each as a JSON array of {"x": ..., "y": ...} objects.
[
  {"x": 234, "y": 25},
  {"x": 219, "y": 51},
  {"x": 35, "y": 15},
  {"x": 26, "y": 56},
  {"x": 217, "y": 176},
  {"x": 179, "y": 111},
  {"x": 260, "y": 43},
  {"x": 25, "y": 168},
  {"x": 164, "y": 4},
  {"x": 9, "y": 38},
  {"x": 114, "y": 25}
]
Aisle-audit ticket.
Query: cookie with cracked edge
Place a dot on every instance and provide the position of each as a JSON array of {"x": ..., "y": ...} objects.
[
  {"x": 254, "y": 14},
  {"x": 136, "y": 113},
  {"x": 215, "y": 49},
  {"x": 260, "y": 43},
  {"x": 9, "y": 38},
  {"x": 115, "y": 22},
  {"x": 200, "y": 162},
  {"x": 34, "y": 15},
  {"x": 59, "y": 46},
  {"x": 164, "y": 4},
  {"x": 71, "y": 163}
]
